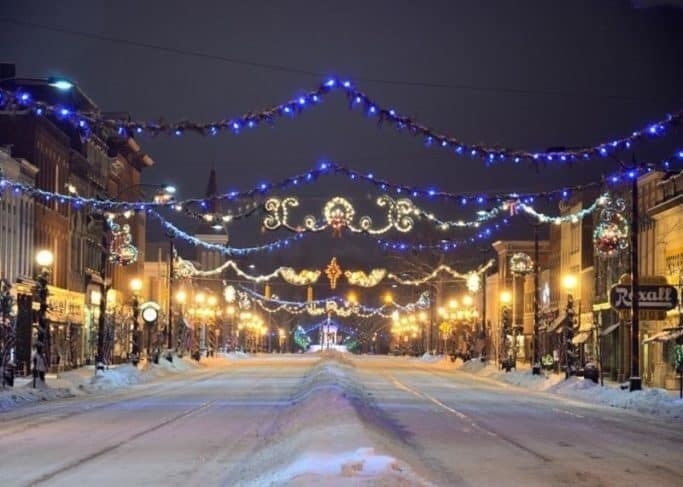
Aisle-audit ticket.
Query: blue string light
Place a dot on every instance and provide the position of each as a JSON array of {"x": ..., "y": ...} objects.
[
  {"x": 356, "y": 98},
  {"x": 331, "y": 168},
  {"x": 176, "y": 232}
]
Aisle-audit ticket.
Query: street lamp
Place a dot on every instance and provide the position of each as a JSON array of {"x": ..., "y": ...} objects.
[
  {"x": 569, "y": 282},
  {"x": 44, "y": 258},
  {"x": 388, "y": 298},
  {"x": 505, "y": 300},
  {"x": 136, "y": 287},
  {"x": 181, "y": 298}
]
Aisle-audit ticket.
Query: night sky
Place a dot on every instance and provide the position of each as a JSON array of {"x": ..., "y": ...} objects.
[{"x": 523, "y": 74}]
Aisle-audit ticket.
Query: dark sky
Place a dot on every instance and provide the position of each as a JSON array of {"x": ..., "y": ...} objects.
[{"x": 522, "y": 74}]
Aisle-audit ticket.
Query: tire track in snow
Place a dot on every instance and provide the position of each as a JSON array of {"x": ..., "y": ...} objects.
[
  {"x": 121, "y": 396},
  {"x": 103, "y": 451},
  {"x": 464, "y": 417}
]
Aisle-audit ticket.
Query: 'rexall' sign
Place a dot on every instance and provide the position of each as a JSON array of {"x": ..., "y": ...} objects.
[{"x": 652, "y": 297}]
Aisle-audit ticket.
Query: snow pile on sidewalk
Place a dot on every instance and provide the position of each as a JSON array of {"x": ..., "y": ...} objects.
[
  {"x": 328, "y": 436},
  {"x": 236, "y": 355},
  {"x": 649, "y": 401},
  {"x": 15, "y": 396},
  {"x": 86, "y": 380}
]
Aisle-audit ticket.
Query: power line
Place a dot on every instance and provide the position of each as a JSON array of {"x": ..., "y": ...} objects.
[{"x": 316, "y": 74}]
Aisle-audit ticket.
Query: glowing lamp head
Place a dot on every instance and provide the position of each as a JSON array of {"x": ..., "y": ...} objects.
[
  {"x": 467, "y": 300},
  {"x": 505, "y": 297},
  {"x": 135, "y": 285},
  {"x": 569, "y": 282},
  {"x": 181, "y": 296},
  {"x": 61, "y": 84},
  {"x": 44, "y": 258}
]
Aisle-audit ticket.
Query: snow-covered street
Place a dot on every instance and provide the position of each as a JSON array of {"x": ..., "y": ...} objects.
[{"x": 334, "y": 419}]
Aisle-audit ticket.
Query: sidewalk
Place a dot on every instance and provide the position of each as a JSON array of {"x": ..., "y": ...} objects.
[{"x": 650, "y": 400}]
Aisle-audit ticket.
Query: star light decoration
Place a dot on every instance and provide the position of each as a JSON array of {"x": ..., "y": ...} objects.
[{"x": 333, "y": 272}]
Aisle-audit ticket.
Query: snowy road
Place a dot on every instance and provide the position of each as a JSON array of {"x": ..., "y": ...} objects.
[{"x": 351, "y": 421}]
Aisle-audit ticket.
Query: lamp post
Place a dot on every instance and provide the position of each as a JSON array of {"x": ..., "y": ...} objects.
[
  {"x": 44, "y": 258},
  {"x": 199, "y": 300},
  {"x": 211, "y": 313},
  {"x": 135, "y": 286},
  {"x": 569, "y": 283},
  {"x": 505, "y": 299},
  {"x": 180, "y": 298}
]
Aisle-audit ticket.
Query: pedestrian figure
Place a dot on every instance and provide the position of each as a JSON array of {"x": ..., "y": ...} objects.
[{"x": 39, "y": 364}]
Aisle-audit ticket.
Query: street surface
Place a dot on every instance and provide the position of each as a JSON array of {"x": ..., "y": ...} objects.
[{"x": 340, "y": 420}]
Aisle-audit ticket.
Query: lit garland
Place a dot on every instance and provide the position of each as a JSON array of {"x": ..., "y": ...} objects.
[
  {"x": 335, "y": 305},
  {"x": 514, "y": 207},
  {"x": 339, "y": 213},
  {"x": 85, "y": 121},
  {"x": 443, "y": 246},
  {"x": 360, "y": 278},
  {"x": 304, "y": 277},
  {"x": 436, "y": 272}
]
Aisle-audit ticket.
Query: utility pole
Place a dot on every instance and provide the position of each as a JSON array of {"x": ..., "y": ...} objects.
[
  {"x": 104, "y": 256},
  {"x": 169, "y": 326},
  {"x": 536, "y": 363},
  {"x": 635, "y": 383}
]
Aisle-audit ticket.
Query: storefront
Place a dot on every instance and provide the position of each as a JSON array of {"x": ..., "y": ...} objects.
[{"x": 66, "y": 315}]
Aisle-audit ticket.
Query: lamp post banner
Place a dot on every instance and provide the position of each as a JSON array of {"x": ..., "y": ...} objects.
[{"x": 655, "y": 297}]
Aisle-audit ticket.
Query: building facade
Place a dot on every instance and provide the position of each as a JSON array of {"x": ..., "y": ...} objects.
[
  {"x": 16, "y": 219},
  {"x": 98, "y": 166}
]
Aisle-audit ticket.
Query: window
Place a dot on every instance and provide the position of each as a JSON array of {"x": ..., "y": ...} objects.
[{"x": 575, "y": 237}]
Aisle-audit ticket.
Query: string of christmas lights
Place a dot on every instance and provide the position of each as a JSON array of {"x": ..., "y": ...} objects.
[
  {"x": 442, "y": 268},
  {"x": 85, "y": 121},
  {"x": 175, "y": 232},
  {"x": 514, "y": 207},
  {"x": 201, "y": 207},
  {"x": 449, "y": 245}
]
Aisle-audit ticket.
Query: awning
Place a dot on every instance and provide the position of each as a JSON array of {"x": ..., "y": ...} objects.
[
  {"x": 556, "y": 323},
  {"x": 580, "y": 338},
  {"x": 610, "y": 329},
  {"x": 665, "y": 336}
]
